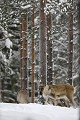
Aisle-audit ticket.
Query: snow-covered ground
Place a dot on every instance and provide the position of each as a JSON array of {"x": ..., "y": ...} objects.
[{"x": 35, "y": 111}]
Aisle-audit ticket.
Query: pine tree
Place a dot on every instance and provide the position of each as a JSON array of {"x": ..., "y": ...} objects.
[
  {"x": 42, "y": 50},
  {"x": 70, "y": 45},
  {"x": 33, "y": 54},
  {"x": 49, "y": 49},
  {"x": 23, "y": 52}
]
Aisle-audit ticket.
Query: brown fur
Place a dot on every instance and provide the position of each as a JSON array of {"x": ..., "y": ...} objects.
[
  {"x": 22, "y": 96},
  {"x": 60, "y": 91}
]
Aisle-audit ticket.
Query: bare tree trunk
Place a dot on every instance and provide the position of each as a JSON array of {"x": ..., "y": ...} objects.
[
  {"x": 79, "y": 36},
  {"x": 78, "y": 7},
  {"x": 42, "y": 51},
  {"x": 70, "y": 52},
  {"x": 22, "y": 96},
  {"x": 21, "y": 50},
  {"x": 33, "y": 54},
  {"x": 0, "y": 91},
  {"x": 0, "y": 84},
  {"x": 49, "y": 50},
  {"x": 23, "y": 54}
]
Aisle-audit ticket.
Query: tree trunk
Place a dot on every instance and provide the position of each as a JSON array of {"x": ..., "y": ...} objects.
[
  {"x": 70, "y": 47},
  {"x": 0, "y": 84},
  {"x": 23, "y": 52},
  {"x": 42, "y": 50},
  {"x": 49, "y": 50},
  {"x": 22, "y": 95},
  {"x": 78, "y": 7},
  {"x": 33, "y": 63}
]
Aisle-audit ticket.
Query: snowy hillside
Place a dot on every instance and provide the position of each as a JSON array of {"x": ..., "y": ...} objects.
[{"x": 35, "y": 111}]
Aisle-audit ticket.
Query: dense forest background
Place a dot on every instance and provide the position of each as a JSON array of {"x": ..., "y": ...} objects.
[{"x": 60, "y": 32}]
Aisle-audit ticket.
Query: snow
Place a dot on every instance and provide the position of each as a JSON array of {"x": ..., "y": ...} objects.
[
  {"x": 34, "y": 111},
  {"x": 25, "y": 7},
  {"x": 3, "y": 57},
  {"x": 63, "y": 1},
  {"x": 8, "y": 43}
]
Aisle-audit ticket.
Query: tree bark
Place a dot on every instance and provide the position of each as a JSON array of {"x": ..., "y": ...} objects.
[
  {"x": 33, "y": 54},
  {"x": 23, "y": 52},
  {"x": 42, "y": 50},
  {"x": 49, "y": 50},
  {"x": 78, "y": 7},
  {"x": 70, "y": 47}
]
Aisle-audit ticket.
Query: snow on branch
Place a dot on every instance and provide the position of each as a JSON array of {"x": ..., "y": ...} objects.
[
  {"x": 25, "y": 7},
  {"x": 63, "y": 1}
]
